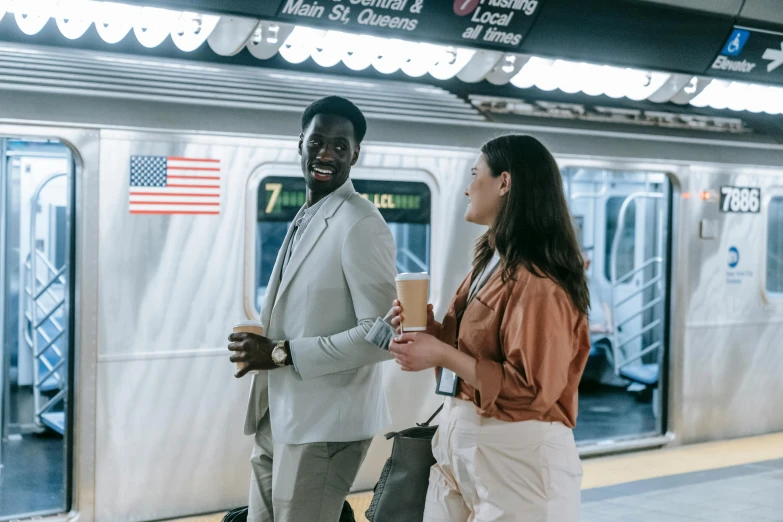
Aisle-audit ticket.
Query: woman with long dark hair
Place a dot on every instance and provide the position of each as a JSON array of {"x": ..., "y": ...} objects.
[{"x": 516, "y": 336}]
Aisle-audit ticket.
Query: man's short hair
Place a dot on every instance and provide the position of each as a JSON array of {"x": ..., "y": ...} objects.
[{"x": 339, "y": 107}]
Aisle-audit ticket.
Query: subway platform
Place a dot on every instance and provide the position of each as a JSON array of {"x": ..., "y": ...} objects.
[{"x": 737, "y": 480}]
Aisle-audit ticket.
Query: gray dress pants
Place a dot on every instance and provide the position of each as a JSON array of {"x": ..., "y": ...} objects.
[{"x": 301, "y": 482}]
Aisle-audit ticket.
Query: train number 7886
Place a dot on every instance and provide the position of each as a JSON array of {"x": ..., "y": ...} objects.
[{"x": 740, "y": 199}]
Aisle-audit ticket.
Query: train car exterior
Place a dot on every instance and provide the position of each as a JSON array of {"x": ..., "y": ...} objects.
[{"x": 154, "y": 425}]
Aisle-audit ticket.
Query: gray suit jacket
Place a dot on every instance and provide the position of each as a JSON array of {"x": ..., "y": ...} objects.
[{"x": 338, "y": 281}]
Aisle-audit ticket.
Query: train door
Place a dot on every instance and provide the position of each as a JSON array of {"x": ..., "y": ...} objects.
[
  {"x": 35, "y": 297},
  {"x": 622, "y": 220}
]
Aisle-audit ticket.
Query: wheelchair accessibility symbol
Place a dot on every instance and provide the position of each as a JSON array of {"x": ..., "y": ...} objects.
[{"x": 736, "y": 42}]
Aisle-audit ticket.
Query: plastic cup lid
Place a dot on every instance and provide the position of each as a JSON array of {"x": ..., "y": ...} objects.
[
  {"x": 247, "y": 323},
  {"x": 413, "y": 276}
]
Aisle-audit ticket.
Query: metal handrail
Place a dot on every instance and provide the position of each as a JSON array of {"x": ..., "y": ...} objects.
[
  {"x": 50, "y": 343},
  {"x": 34, "y": 296},
  {"x": 48, "y": 285},
  {"x": 656, "y": 260},
  {"x": 641, "y": 332},
  {"x": 51, "y": 312},
  {"x": 640, "y": 290},
  {"x": 52, "y": 370},
  {"x": 645, "y": 351},
  {"x": 642, "y": 310},
  {"x": 635, "y": 271},
  {"x": 413, "y": 257},
  {"x": 604, "y": 189},
  {"x": 621, "y": 224}
]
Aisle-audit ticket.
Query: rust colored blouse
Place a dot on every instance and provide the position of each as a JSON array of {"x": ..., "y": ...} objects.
[{"x": 531, "y": 345}]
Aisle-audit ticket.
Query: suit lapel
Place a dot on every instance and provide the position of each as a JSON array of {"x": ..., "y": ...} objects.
[
  {"x": 273, "y": 287},
  {"x": 306, "y": 244},
  {"x": 313, "y": 233}
]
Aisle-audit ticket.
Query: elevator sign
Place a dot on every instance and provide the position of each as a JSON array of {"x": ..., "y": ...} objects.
[
  {"x": 751, "y": 55},
  {"x": 498, "y": 24}
]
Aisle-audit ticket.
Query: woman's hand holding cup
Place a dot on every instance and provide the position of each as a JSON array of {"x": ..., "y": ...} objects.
[{"x": 433, "y": 327}]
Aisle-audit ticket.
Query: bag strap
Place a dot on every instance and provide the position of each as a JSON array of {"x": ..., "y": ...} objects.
[
  {"x": 475, "y": 292},
  {"x": 459, "y": 320},
  {"x": 478, "y": 288},
  {"x": 426, "y": 424}
]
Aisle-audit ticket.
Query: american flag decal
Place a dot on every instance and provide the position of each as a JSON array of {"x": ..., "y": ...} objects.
[{"x": 171, "y": 185}]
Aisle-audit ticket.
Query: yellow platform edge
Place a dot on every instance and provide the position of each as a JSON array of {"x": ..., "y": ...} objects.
[{"x": 620, "y": 469}]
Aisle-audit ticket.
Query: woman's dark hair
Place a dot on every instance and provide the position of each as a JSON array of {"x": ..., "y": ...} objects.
[{"x": 533, "y": 227}]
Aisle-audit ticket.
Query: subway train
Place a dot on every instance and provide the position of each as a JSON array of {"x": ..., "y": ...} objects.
[{"x": 119, "y": 401}]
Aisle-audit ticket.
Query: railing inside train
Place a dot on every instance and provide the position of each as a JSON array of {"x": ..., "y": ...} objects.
[
  {"x": 602, "y": 191},
  {"x": 42, "y": 305},
  {"x": 652, "y": 293},
  {"x": 412, "y": 264}
]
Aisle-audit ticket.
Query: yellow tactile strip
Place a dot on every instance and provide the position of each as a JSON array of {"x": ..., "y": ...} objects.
[{"x": 620, "y": 469}]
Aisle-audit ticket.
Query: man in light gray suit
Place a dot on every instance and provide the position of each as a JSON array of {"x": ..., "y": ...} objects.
[{"x": 317, "y": 401}]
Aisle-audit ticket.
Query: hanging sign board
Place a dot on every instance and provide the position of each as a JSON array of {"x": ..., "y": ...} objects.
[
  {"x": 488, "y": 24},
  {"x": 496, "y": 24},
  {"x": 750, "y": 55},
  {"x": 245, "y": 8}
]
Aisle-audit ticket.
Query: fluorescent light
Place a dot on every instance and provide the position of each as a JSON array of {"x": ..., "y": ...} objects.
[
  {"x": 300, "y": 44},
  {"x": 421, "y": 58},
  {"x": 74, "y": 18},
  {"x": 153, "y": 25},
  {"x": 31, "y": 17},
  {"x": 535, "y": 70},
  {"x": 361, "y": 50},
  {"x": 114, "y": 21},
  {"x": 450, "y": 62},
  {"x": 191, "y": 30},
  {"x": 331, "y": 49},
  {"x": 391, "y": 55}
]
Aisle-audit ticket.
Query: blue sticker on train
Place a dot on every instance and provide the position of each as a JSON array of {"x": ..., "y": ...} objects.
[
  {"x": 736, "y": 42},
  {"x": 733, "y": 257}
]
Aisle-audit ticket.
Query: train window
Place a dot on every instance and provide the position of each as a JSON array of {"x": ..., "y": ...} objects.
[
  {"x": 405, "y": 205},
  {"x": 625, "y": 252},
  {"x": 775, "y": 245}
]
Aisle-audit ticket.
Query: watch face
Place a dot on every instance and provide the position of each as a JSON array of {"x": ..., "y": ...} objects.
[{"x": 278, "y": 355}]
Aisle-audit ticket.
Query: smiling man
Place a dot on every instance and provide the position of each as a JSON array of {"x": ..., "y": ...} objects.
[{"x": 318, "y": 400}]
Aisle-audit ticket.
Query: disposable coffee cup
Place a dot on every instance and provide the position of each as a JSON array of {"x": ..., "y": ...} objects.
[
  {"x": 253, "y": 327},
  {"x": 412, "y": 291}
]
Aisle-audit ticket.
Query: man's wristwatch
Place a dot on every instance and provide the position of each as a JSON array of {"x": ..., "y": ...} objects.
[{"x": 279, "y": 354}]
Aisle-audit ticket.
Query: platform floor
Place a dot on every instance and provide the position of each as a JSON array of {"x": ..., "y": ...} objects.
[{"x": 737, "y": 481}]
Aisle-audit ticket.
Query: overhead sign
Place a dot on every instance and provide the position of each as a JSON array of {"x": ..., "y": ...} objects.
[
  {"x": 280, "y": 198},
  {"x": 500, "y": 24},
  {"x": 250, "y": 8},
  {"x": 751, "y": 55}
]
